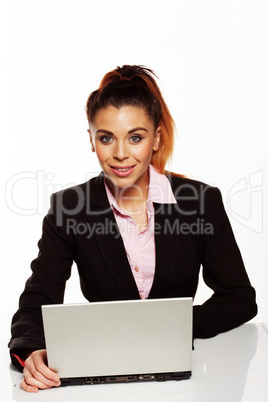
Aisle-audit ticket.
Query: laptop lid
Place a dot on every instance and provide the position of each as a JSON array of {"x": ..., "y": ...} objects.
[{"x": 119, "y": 338}]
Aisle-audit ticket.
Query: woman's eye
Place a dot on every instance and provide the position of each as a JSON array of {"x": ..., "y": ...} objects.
[
  {"x": 135, "y": 138},
  {"x": 105, "y": 139}
]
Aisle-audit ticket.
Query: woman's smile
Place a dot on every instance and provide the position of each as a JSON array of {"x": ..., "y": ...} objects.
[{"x": 123, "y": 171}]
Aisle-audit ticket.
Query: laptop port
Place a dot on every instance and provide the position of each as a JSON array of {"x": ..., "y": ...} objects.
[
  {"x": 92, "y": 380},
  {"x": 111, "y": 379},
  {"x": 131, "y": 378},
  {"x": 164, "y": 377},
  {"x": 146, "y": 377},
  {"x": 95, "y": 380}
]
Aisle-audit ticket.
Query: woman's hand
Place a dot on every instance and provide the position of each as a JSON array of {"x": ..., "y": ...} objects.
[{"x": 36, "y": 374}]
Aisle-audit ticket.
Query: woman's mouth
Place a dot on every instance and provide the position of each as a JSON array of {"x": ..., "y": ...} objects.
[{"x": 123, "y": 171}]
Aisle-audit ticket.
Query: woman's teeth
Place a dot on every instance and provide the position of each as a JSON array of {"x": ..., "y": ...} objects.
[{"x": 123, "y": 170}]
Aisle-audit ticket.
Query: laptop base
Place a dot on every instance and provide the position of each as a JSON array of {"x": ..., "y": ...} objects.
[{"x": 126, "y": 378}]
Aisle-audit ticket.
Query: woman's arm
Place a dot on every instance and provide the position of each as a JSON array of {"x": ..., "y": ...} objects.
[
  {"x": 233, "y": 301},
  {"x": 46, "y": 285}
]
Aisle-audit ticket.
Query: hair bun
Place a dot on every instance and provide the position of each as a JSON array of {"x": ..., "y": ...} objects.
[{"x": 125, "y": 78}]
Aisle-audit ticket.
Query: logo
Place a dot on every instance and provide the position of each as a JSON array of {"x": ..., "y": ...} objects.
[{"x": 245, "y": 201}]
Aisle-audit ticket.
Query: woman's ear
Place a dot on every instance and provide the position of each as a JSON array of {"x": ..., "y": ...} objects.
[
  {"x": 157, "y": 137},
  {"x": 91, "y": 141}
]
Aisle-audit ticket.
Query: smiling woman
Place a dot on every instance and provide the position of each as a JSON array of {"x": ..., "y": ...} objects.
[{"x": 135, "y": 231}]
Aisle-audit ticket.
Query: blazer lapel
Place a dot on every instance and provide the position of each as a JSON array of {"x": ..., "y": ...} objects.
[
  {"x": 109, "y": 240},
  {"x": 166, "y": 245}
]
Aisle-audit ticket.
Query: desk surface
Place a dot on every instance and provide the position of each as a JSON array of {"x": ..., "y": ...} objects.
[{"x": 230, "y": 367}]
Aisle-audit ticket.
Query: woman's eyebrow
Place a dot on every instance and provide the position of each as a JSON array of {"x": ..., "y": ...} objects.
[
  {"x": 130, "y": 131},
  {"x": 104, "y": 131},
  {"x": 137, "y": 129}
]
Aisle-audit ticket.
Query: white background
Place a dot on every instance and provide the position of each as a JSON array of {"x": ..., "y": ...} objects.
[{"x": 212, "y": 61}]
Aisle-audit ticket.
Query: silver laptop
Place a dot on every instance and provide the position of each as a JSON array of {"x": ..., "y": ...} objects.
[{"x": 119, "y": 341}]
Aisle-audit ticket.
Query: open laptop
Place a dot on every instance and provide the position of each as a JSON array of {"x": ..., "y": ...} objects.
[{"x": 119, "y": 341}]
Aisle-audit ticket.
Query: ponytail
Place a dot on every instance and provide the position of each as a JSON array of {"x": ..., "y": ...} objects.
[{"x": 135, "y": 86}]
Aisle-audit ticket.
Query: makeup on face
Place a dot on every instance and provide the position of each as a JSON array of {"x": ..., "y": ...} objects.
[{"x": 124, "y": 140}]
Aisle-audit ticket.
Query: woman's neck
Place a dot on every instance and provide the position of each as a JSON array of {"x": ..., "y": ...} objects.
[{"x": 133, "y": 198}]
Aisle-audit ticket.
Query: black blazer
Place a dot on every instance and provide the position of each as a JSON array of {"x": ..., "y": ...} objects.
[{"x": 80, "y": 226}]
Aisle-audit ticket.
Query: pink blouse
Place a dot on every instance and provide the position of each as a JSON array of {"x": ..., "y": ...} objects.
[{"x": 140, "y": 247}]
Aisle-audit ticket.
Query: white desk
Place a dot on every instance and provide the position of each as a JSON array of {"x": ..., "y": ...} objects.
[{"x": 231, "y": 367}]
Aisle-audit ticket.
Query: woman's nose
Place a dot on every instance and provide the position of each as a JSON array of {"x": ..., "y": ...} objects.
[{"x": 120, "y": 151}]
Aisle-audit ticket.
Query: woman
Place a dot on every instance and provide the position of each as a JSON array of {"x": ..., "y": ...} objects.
[{"x": 135, "y": 231}]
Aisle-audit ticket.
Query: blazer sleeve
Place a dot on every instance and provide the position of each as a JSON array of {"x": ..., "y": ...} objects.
[
  {"x": 233, "y": 302},
  {"x": 50, "y": 271}
]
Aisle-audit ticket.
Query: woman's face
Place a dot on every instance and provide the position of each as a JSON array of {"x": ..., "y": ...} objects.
[{"x": 124, "y": 140}]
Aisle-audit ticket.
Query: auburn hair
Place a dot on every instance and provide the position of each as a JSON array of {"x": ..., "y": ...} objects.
[{"x": 136, "y": 86}]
